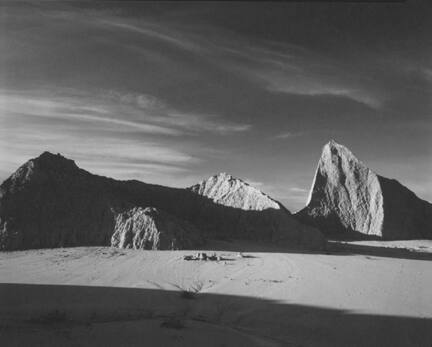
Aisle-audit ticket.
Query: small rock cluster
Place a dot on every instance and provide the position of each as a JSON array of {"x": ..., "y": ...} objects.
[{"x": 203, "y": 256}]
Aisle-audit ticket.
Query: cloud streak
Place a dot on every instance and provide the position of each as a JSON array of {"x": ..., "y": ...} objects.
[
  {"x": 152, "y": 161},
  {"x": 288, "y": 135},
  {"x": 153, "y": 32},
  {"x": 133, "y": 112},
  {"x": 285, "y": 68},
  {"x": 90, "y": 133}
]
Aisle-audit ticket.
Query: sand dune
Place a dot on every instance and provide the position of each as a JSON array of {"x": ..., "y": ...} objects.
[{"x": 358, "y": 294}]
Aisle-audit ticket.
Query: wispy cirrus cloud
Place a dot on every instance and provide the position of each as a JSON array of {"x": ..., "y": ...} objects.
[
  {"x": 72, "y": 111},
  {"x": 151, "y": 161},
  {"x": 152, "y": 32},
  {"x": 23, "y": 140},
  {"x": 134, "y": 112},
  {"x": 288, "y": 135},
  {"x": 298, "y": 77},
  {"x": 279, "y": 68},
  {"x": 147, "y": 91},
  {"x": 124, "y": 135}
]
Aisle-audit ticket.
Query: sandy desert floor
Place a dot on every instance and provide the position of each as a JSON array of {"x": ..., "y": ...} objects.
[{"x": 355, "y": 294}]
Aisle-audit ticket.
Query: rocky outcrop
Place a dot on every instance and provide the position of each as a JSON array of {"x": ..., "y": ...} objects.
[
  {"x": 51, "y": 202},
  {"x": 248, "y": 213},
  {"x": 150, "y": 228},
  {"x": 347, "y": 198},
  {"x": 226, "y": 190}
]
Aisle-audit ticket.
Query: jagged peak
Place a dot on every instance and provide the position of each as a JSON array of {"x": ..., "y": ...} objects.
[
  {"x": 46, "y": 163},
  {"x": 48, "y": 160},
  {"x": 231, "y": 191},
  {"x": 332, "y": 142},
  {"x": 336, "y": 159},
  {"x": 333, "y": 145},
  {"x": 222, "y": 177},
  {"x": 334, "y": 149},
  {"x": 46, "y": 155},
  {"x": 326, "y": 163}
]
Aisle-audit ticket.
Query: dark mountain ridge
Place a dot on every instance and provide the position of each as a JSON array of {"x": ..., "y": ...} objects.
[{"x": 51, "y": 202}]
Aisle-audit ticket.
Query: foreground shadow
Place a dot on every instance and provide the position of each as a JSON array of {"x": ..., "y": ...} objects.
[{"x": 64, "y": 315}]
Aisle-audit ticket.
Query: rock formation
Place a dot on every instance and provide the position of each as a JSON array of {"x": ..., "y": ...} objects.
[
  {"x": 226, "y": 190},
  {"x": 347, "y": 198},
  {"x": 150, "y": 228},
  {"x": 251, "y": 214},
  {"x": 51, "y": 202}
]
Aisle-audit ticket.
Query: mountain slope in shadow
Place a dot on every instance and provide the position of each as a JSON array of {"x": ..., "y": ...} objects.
[{"x": 50, "y": 202}]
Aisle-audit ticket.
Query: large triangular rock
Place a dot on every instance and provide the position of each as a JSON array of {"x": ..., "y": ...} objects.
[
  {"x": 347, "y": 198},
  {"x": 150, "y": 228},
  {"x": 249, "y": 213}
]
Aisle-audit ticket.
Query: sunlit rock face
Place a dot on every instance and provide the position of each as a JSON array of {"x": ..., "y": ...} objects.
[
  {"x": 253, "y": 214},
  {"x": 348, "y": 198},
  {"x": 224, "y": 189},
  {"x": 150, "y": 228}
]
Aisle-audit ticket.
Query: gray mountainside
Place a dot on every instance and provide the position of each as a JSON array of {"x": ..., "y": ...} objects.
[
  {"x": 348, "y": 198},
  {"x": 51, "y": 202}
]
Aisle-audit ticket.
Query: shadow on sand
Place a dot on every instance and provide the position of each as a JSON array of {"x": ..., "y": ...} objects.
[
  {"x": 377, "y": 251},
  {"x": 63, "y": 315},
  {"x": 333, "y": 247}
]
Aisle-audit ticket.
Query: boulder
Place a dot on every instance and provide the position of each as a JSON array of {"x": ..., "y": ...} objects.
[{"x": 150, "y": 228}]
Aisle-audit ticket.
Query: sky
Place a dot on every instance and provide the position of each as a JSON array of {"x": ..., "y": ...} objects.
[{"x": 171, "y": 93}]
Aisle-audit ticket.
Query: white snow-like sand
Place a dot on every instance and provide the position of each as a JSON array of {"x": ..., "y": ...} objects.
[{"x": 356, "y": 294}]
